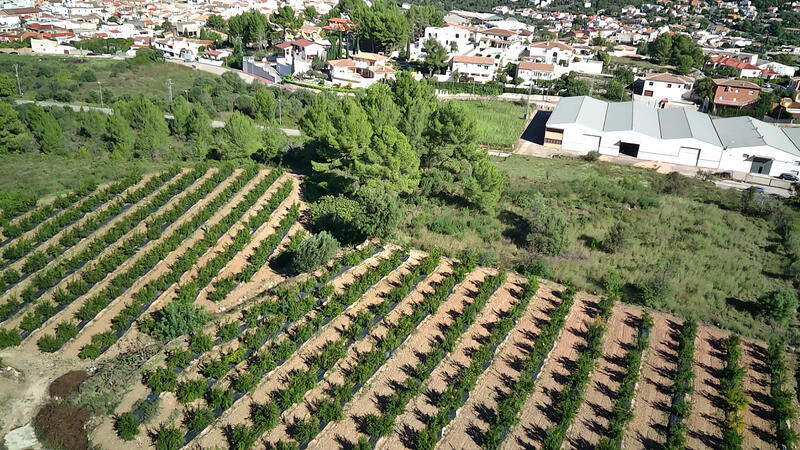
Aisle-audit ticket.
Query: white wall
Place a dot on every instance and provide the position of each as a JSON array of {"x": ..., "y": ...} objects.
[
  {"x": 660, "y": 90},
  {"x": 733, "y": 159}
]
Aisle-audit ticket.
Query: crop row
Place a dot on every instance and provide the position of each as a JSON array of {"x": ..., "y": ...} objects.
[
  {"x": 52, "y": 226},
  {"x": 224, "y": 286},
  {"x": 267, "y": 358},
  {"x": 39, "y": 259},
  {"x": 622, "y": 411},
  {"x": 110, "y": 263},
  {"x": 509, "y": 407},
  {"x": 123, "y": 281},
  {"x": 464, "y": 382},
  {"x": 331, "y": 408},
  {"x": 264, "y": 316},
  {"x": 16, "y": 229},
  {"x": 736, "y": 400},
  {"x": 780, "y": 397},
  {"x": 571, "y": 395},
  {"x": 96, "y": 246},
  {"x": 188, "y": 291},
  {"x": 15, "y": 207},
  {"x": 682, "y": 387}
]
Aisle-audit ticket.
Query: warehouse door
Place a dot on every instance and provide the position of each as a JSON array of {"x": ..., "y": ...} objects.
[
  {"x": 688, "y": 155},
  {"x": 760, "y": 165},
  {"x": 629, "y": 148},
  {"x": 592, "y": 142}
]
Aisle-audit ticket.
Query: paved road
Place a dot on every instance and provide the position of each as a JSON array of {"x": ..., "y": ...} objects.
[{"x": 109, "y": 111}]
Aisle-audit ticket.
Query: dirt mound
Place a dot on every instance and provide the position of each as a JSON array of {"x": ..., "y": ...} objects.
[
  {"x": 68, "y": 383},
  {"x": 62, "y": 426}
]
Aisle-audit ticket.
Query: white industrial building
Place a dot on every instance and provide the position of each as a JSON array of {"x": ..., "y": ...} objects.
[{"x": 673, "y": 135}]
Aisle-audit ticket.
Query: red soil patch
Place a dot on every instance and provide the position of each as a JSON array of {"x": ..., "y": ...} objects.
[
  {"x": 68, "y": 383},
  {"x": 62, "y": 426}
]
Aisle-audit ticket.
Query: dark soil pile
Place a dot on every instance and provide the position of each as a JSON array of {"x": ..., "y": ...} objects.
[
  {"x": 62, "y": 426},
  {"x": 68, "y": 383}
]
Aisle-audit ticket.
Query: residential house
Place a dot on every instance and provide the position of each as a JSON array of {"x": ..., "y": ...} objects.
[
  {"x": 479, "y": 69},
  {"x": 744, "y": 69},
  {"x": 298, "y": 56},
  {"x": 532, "y": 71},
  {"x": 778, "y": 68},
  {"x": 213, "y": 57},
  {"x": 551, "y": 52},
  {"x": 362, "y": 70},
  {"x": 661, "y": 88},
  {"x": 735, "y": 93}
]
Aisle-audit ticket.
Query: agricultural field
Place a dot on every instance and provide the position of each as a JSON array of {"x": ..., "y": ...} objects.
[
  {"x": 158, "y": 305},
  {"x": 499, "y": 123}
]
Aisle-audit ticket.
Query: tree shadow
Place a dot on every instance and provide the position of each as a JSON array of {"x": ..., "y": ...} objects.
[
  {"x": 516, "y": 227},
  {"x": 743, "y": 305}
]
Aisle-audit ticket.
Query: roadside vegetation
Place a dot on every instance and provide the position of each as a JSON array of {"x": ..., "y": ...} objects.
[{"x": 499, "y": 123}]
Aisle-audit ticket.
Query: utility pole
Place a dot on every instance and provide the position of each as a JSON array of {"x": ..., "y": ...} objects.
[
  {"x": 169, "y": 85},
  {"x": 16, "y": 71},
  {"x": 280, "y": 114},
  {"x": 99, "y": 86},
  {"x": 528, "y": 103}
]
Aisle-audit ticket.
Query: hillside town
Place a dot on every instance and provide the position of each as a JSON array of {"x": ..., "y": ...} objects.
[{"x": 722, "y": 58}]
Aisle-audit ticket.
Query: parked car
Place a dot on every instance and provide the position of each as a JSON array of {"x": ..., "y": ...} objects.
[
  {"x": 759, "y": 189},
  {"x": 788, "y": 177}
]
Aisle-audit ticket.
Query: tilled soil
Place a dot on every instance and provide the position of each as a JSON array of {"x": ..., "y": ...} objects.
[
  {"x": 538, "y": 413},
  {"x": 760, "y": 430},
  {"x": 591, "y": 423},
  {"x": 472, "y": 420},
  {"x": 652, "y": 401},
  {"x": 705, "y": 423}
]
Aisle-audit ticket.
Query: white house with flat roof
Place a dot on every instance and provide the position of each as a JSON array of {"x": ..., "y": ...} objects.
[{"x": 673, "y": 135}]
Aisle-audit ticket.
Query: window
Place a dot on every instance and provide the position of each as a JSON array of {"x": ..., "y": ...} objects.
[
  {"x": 797, "y": 163},
  {"x": 552, "y": 141},
  {"x": 751, "y": 92},
  {"x": 734, "y": 98},
  {"x": 669, "y": 85},
  {"x": 737, "y": 91},
  {"x": 651, "y": 83},
  {"x": 746, "y": 156}
]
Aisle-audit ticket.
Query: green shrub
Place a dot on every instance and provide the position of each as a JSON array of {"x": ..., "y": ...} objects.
[
  {"x": 48, "y": 343},
  {"x": 89, "y": 351},
  {"x": 200, "y": 418},
  {"x": 592, "y": 156},
  {"x": 162, "y": 379},
  {"x": 178, "y": 318},
  {"x": 616, "y": 239},
  {"x": 169, "y": 438},
  {"x": 314, "y": 252},
  {"x": 200, "y": 342},
  {"x": 191, "y": 390},
  {"x": 127, "y": 426},
  {"x": 655, "y": 289},
  {"x": 613, "y": 284},
  {"x": 546, "y": 226},
  {"x": 780, "y": 304}
]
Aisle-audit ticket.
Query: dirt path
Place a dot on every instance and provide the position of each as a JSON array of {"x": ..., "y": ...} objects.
[
  {"x": 17, "y": 265},
  {"x": 591, "y": 422},
  {"x": 105, "y": 436},
  {"x": 467, "y": 429},
  {"x": 406, "y": 356},
  {"x": 761, "y": 429},
  {"x": 271, "y": 382},
  {"x": 50, "y": 324},
  {"x": 704, "y": 426},
  {"x": 421, "y": 408},
  {"x": 652, "y": 401},
  {"x": 538, "y": 413},
  {"x": 241, "y": 259},
  {"x": 335, "y": 376},
  {"x": 102, "y": 321}
]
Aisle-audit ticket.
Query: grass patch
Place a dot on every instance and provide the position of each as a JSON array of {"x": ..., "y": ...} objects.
[
  {"x": 715, "y": 260},
  {"x": 118, "y": 77},
  {"x": 500, "y": 124},
  {"x": 44, "y": 175}
]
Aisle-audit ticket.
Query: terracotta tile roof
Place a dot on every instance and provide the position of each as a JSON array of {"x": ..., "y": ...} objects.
[
  {"x": 736, "y": 83},
  {"x": 542, "y": 67},
  {"x": 668, "y": 78},
  {"x": 472, "y": 59},
  {"x": 342, "y": 62}
]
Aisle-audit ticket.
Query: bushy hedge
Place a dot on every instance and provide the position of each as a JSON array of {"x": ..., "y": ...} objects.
[{"x": 682, "y": 387}]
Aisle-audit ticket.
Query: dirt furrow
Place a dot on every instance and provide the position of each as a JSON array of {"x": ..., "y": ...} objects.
[
  {"x": 50, "y": 324},
  {"x": 591, "y": 422},
  {"x": 538, "y": 413},
  {"x": 141, "y": 228},
  {"x": 424, "y": 406},
  {"x": 104, "y": 433},
  {"x": 761, "y": 429},
  {"x": 337, "y": 375},
  {"x": 239, "y": 261},
  {"x": 345, "y": 432},
  {"x": 652, "y": 401},
  {"x": 275, "y": 380},
  {"x": 102, "y": 321},
  {"x": 704, "y": 426},
  {"x": 472, "y": 421},
  {"x": 17, "y": 265}
]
